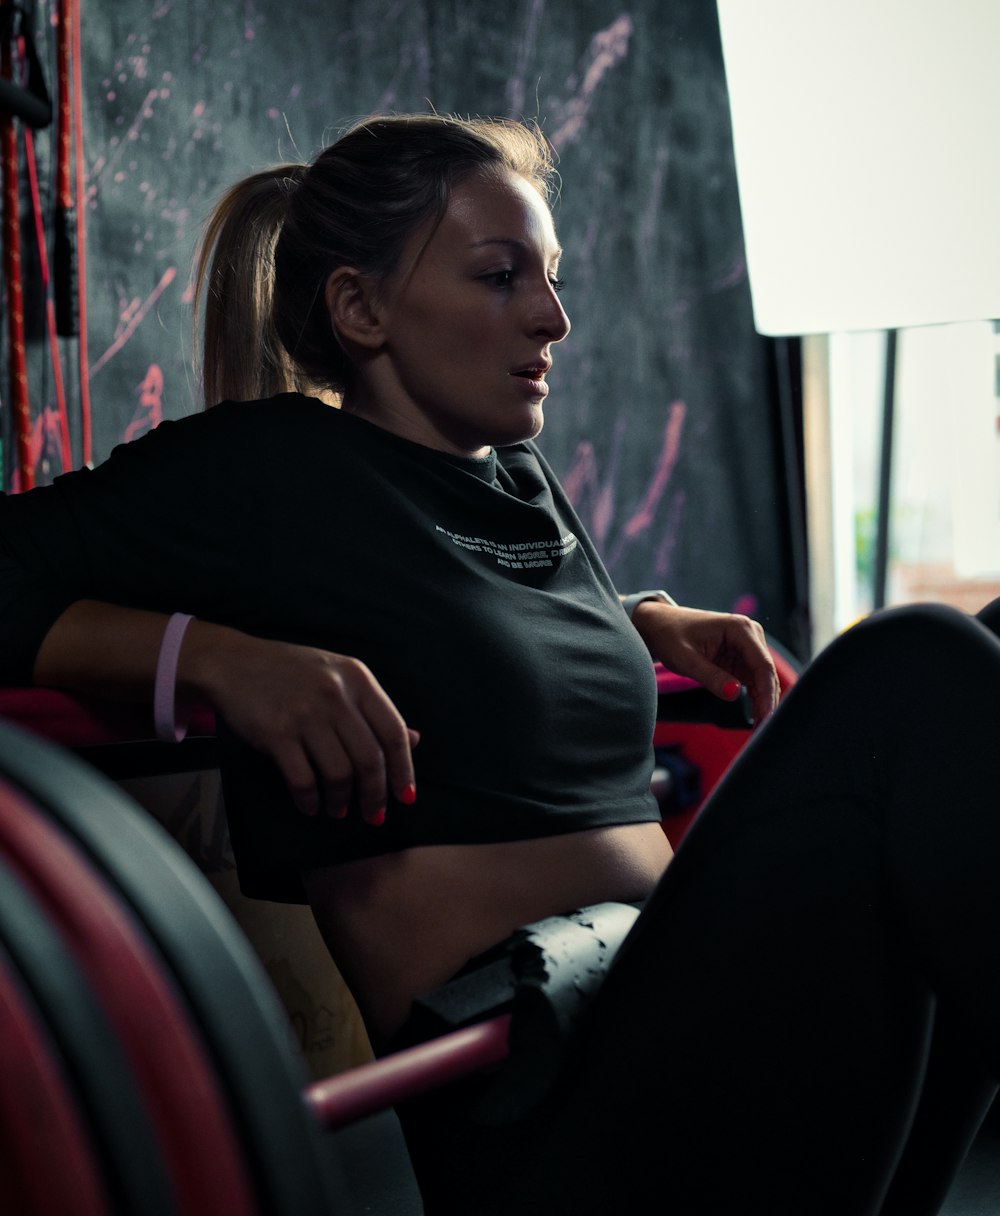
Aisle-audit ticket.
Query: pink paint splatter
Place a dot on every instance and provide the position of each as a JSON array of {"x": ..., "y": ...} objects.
[
  {"x": 149, "y": 411},
  {"x": 642, "y": 518},
  {"x": 582, "y": 472},
  {"x": 132, "y": 317},
  {"x": 608, "y": 48},
  {"x": 103, "y": 165},
  {"x": 516, "y": 83},
  {"x": 731, "y": 277},
  {"x": 603, "y": 511},
  {"x": 671, "y": 531},
  {"x": 584, "y": 478}
]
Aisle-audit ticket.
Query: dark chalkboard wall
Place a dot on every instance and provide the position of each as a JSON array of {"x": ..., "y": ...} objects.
[{"x": 661, "y": 419}]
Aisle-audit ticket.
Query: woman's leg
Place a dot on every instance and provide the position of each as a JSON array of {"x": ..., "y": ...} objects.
[
  {"x": 956, "y": 1096},
  {"x": 761, "y": 1039},
  {"x": 990, "y": 616}
]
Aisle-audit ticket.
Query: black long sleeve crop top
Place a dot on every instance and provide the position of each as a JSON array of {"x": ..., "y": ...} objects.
[{"x": 468, "y": 586}]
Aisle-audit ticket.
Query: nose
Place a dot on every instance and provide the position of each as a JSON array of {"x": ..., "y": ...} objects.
[{"x": 550, "y": 320}]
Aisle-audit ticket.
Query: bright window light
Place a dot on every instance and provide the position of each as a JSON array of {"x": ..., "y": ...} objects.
[{"x": 867, "y": 157}]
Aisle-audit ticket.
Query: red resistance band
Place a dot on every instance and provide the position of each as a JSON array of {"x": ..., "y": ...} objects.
[
  {"x": 15, "y": 293},
  {"x": 66, "y": 304}
]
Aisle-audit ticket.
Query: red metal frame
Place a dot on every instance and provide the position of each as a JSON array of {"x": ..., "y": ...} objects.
[
  {"x": 374, "y": 1087},
  {"x": 74, "y": 721}
]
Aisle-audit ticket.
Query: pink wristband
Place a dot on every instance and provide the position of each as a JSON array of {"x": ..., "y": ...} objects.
[{"x": 165, "y": 687}]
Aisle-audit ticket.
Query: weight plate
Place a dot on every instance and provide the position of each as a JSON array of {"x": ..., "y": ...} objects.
[
  {"x": 40, "y": 1120},
  {"x": 171, "y": 1070},
  {"x": 231, "y": 998},
  {"x": 127, "y": 1152}
]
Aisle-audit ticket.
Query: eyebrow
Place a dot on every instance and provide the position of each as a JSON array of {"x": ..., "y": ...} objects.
[{"x": 513, "y": 243}]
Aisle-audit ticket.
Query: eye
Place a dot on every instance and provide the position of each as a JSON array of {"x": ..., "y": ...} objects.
[
  {"x": 557, "y": 284},
  {"x": 499, "y": 278}
]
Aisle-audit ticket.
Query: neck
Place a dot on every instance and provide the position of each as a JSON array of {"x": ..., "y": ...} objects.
[{"x": 407, "y": 424}]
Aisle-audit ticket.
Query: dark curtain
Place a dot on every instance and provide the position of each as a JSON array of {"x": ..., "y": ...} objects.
[{"x": 665, "y": 418}]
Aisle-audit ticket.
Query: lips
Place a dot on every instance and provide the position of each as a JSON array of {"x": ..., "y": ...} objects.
[{"x": 532, "y": 371}]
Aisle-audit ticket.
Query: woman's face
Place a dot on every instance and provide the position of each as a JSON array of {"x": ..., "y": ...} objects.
[{"x": 468, "y": 323}]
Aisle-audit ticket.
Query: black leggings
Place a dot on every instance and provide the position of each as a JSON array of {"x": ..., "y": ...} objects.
[{"x": 806, "y": 1016}]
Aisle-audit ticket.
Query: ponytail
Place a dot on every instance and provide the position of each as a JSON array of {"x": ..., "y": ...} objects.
[{"x": 242, "y": 357}]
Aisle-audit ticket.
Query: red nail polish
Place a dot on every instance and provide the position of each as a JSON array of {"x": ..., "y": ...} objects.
[
  {"x": 731, "y": 690},
  {"x": 377, "y": 818},
  {"x": 408, "y": 795},
  {"x": 340, "y": 813}
]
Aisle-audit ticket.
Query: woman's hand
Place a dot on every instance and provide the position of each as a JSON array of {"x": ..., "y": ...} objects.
[
  {"x": 323, "y": 718},
  {"x": 718, "y": 649}
]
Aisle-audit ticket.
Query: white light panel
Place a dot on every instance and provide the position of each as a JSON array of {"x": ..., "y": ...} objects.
[{"x": 867, "y": 136}]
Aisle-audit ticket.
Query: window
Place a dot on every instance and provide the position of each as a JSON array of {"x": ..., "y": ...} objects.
[{"x": 944, "y": 522}]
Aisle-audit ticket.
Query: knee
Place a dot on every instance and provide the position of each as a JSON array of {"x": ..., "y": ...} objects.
[
  {"x": 925, "y": 640},
  {"x": 990, "y": 616}
]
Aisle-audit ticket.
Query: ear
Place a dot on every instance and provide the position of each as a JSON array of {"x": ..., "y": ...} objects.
[{"x": 351, "y": 307}]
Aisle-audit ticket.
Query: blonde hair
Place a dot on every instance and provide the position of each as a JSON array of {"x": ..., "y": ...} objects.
[{"x": 274, "y": 238}]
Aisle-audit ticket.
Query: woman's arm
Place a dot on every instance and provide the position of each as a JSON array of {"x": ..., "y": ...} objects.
[
  {"x": 322, "y": 717},
  {"x": 173, "y": 520}
]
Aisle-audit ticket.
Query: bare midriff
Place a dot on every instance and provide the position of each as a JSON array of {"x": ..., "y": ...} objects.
[{"x": 404, "y": 923}]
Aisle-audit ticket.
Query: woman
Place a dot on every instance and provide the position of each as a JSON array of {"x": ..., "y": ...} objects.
[{"x": 438, "y": 714}]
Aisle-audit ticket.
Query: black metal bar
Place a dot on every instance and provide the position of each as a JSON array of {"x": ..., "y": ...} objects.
[
  {"x": 880, "y": 576},
  {"x": 790, "y": 422},
  {"x": 150, "y": 757}
]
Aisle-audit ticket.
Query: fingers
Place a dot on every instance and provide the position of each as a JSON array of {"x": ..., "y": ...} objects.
[
  {"x": 764, "y": 698},
  {"x": 395, "y": 748},
  {"x": 338, "y": 740},
  {"x": 724, "y": 652},
  {"x": 364, "y": 759},
  {"x": 300, "y": 777},
  {"x": 348, "y": 770},
  {"x": 749, "y": 656},
  {"x": 719, "y": 680}
]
